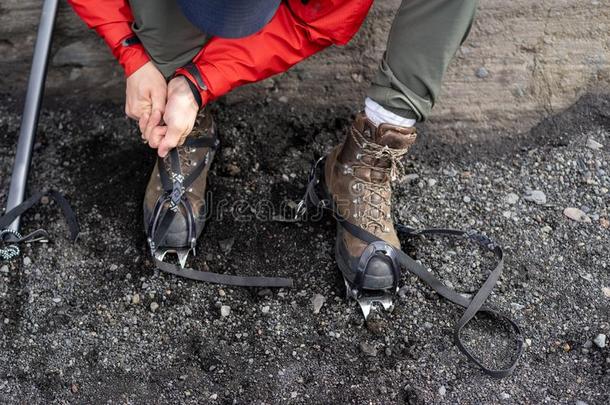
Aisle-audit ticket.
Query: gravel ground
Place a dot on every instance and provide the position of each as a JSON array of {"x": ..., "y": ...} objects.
[{"x": 94, "y": 322}]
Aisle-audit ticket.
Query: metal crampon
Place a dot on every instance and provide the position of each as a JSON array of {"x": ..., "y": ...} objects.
[{"x": 371, "y": 301}]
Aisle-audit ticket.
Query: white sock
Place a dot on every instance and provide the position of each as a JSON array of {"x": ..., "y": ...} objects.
[{"x": 379, "y": 115}]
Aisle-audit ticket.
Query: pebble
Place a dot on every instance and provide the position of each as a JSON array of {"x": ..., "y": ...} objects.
[
  {"x": 265, "y": 309},
  {"x": 535, "y": 196},
  {"x": 516, "y": 306},
  {"x": 442, "y": 390},
  {"x": 293, "y": 394},
  {"x": 432, "y": 182},
  {"x": 600, "y": 340},
  {"x": 467, "y": 199},
  {"x": 511, "y": 198},
  {"x": 113, "y": 267},
  {"x": 4, "y": 269},
  {"x": 317, "y": 301},
  {"x": 576, "y": 215},
  {"x": 606, "y": 291},
  {"x": 481, "y": 73},
  {"x": 226, "y": 245},
  {"x": 504, "y": 395},
  {"x": 214, "y": 397},
  {"x": 225, "y": 310},
  {"x": 27, "y": 261},
  {"x": 154, "y": 306},
  {"x": 135, "y": 299},
  {"x": 593, "y": 144},
  {"x": 233, "y": 170},
  {"x": 56, "y": 300},
  {"x": 579, "y": 402},
  {"x": 368, "y": 349}
]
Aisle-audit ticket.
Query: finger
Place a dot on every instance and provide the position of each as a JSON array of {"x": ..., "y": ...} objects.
[
  {"x": 143, "y": 123},
  {"x": 153, "y": 122},
  {"x": 170, "y": 140},
  {"x": 156, "y": 136},
  {"x": 158, "y": 98}
]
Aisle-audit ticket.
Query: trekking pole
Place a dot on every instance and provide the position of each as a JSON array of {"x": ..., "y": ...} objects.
[{"x": 31, "y": 109}]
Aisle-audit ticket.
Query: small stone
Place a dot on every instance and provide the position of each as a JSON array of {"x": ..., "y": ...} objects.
[
  {"x": 516, "y": 306},
  {"x": 368, "y": 349},
  {"x": 528, "y": 342},
  {"x": 317, "y": 301},
  {"x": 44, "y": 200},
  {"x": 74, "y": 388},
  {"x": 27, "y": 261},
  {"x": 481, "y": 73},
  {"x": 154, "y": 306},
  {"x": 504, "y": 395},
  {"x": 442, "y": 390},
  {"x": 511, "y": 198},
  {"x": 56, "y": 300},
  {"x": 135, "y": 299},
  {"x": 535, "y": 196},
  {"x": 265, "y": 309},
  {"x": 606, "y": 291},
  {"x": 113, "y": 267},
  {"x": 411, "y": 177},
  {"x": 225, "y": 310},
  {"x": 593, "y": 144},
  {"x": 576, "y": 215},
  {"x": 226, "y": 245},
  {"x": 283, "y": 99},
  {"x": 432, "y": 182},
  {"x": 233, "y": 169},
  {"x": 600, "y": 340},
  {"x": 604, "y": 223},
  {"x": 4, "y": 269},
  {"x": 222, "y": 292},
  {"x": 467, "y": 199},
  {"x": 588, "y": 344},
  {"x": 214, "y": 397},
  {"x": 547, "y": 229},
  {"x": 293, "y": 394}
]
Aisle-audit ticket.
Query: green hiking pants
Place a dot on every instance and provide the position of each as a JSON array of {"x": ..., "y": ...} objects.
[{"x": 424, "y": 37}]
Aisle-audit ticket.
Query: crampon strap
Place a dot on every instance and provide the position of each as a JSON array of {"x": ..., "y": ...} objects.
[
  {"x": 317, "y": 195},
  {"x": 9, "y": 239},
  {"x": 173, "y": 200}
]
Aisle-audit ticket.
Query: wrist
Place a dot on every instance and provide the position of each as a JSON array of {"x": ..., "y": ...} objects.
[
  {"x": 194, "y": 89},
  {"x": 200, "y": 91}
]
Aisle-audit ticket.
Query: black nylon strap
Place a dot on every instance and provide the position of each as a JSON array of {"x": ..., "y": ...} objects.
[
  {"x": 66, "y": 209},
  {"x": 162, "y": 218},
  {"x": 472, "y": 306},
  {"x": 239, "y": 281}
]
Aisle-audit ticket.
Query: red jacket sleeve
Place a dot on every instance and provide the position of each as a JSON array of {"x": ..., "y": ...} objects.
[
  {"x": 296, "y": 32},
  {"x": 112, "y": 20}
]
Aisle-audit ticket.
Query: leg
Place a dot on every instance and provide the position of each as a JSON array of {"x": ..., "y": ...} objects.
[
  {"x": 424, "y": 37},
  {"x": 169, "y": 38}
]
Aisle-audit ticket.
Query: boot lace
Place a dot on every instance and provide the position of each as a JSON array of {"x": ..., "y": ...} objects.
[{"x": 381, "y": 188}]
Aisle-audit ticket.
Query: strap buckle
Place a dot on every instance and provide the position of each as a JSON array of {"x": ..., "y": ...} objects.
[{"x": 177, "y": 191}]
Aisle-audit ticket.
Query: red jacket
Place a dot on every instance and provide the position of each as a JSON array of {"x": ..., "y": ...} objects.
[{"x": 297, "y": 31}]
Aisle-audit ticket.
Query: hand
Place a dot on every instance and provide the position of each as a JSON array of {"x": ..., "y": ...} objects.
[
  {"x": 145, "y": 96},
  {"x": 179, "y": 117}
]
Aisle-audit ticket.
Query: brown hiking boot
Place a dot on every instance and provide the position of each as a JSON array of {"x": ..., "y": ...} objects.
[
  {"x": 358, "y": 174},
  {"x": 174, "y": 204}
]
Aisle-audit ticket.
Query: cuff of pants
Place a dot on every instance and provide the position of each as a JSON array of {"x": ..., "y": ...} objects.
[{"x": 395, "y": 96}]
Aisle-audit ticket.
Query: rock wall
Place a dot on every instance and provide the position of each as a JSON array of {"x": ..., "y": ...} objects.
[{"x": 525, "y": 59}]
